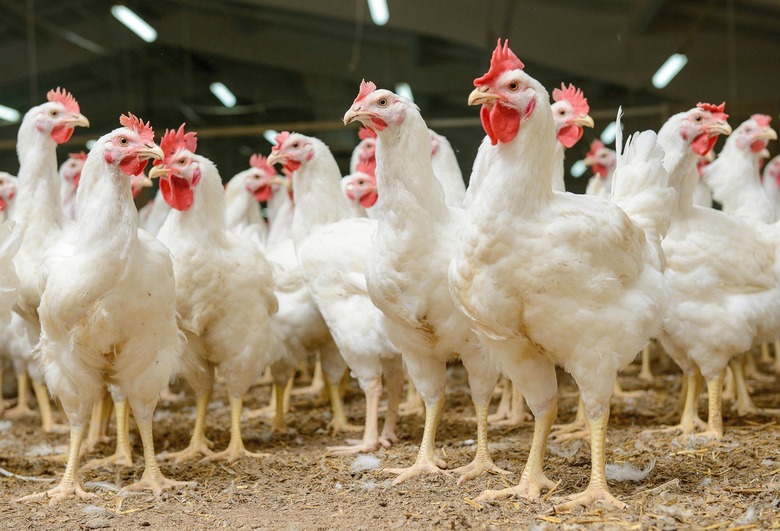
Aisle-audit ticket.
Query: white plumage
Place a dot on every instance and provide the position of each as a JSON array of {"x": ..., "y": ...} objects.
[{"x": 224, "y": 289}]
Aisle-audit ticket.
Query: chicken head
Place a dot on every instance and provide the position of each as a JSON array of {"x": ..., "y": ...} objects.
[
  {"x": 570, "y": 113},
  {"x": 179, "y": 173},
  {"x": 59, "y": 116},
  {"x": 600, "y": 159}
]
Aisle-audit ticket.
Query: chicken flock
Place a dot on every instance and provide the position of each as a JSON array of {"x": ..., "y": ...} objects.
[{"x": 395, "y": 269}]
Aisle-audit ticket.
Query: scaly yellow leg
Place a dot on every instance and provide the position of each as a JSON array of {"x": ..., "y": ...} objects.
[
  {"x": 426, "y": 461},
  {"x": 236, "y": 448},
  {"x": 198, "y": 444}
]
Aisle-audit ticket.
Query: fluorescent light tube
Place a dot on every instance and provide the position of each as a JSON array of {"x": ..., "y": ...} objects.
[
  {"x": 8, "y": 114},
  {"x": 578, "y": 168},
  {"x": 380, "y": 14},
  {"x": 91, "y": 143},
  {"x": 609, "y": 133},
  {"x": 403, "y": 89},
  {"x": 270, "y": 135},
  {"x": 135, "y": 23},
  {"x": 223, "y": 94},
  {"x": 669, "y": 69}
]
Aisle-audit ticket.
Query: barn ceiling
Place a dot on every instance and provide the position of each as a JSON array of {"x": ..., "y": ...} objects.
[{"x": 297, "y": 63}]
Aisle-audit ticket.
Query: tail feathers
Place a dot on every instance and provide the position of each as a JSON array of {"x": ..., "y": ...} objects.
[{"x": 640, "y": 185}]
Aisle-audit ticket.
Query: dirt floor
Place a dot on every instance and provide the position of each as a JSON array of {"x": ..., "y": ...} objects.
[{"x": 733, "y": 483}]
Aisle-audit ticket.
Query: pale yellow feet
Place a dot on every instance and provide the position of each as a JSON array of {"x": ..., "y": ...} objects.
[
  {"x": 529, "y": 488},
  {"x": 593, "y": 494},
  {"x": 434, "y": 465},
  {"x": 479, "y": 466},
  {"x": 63, "y": 491}
]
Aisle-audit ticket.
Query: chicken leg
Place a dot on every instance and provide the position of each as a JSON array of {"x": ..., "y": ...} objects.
[
  {"x": 281, "y": 406},
  {"x": 22, "y": 408},
  {"x": 744, "y": 404},
  {"x": 689, "y": 421},
  {"x": 393, "y": 372},
  {"x": 426, "y": 461},
  {"x": 370, "y": 442},
  {"x": 715, "y": 412},
  {"x": 317, "y": 383},
  {"x": 70, "y": 484},
  {"x": 199, "y": 445},
  {"x": 597, "y": 490},
  {"x": 153, "y": 478},
  {"x": 44, "y": 408},
  {"x": 123, "y": 455},
  {"x": 236, "y": 448},
  {"x": 338, "y": 422},
  {"x": 413, "y": 405},
  {"x": 576, "y": 429},
  {"x": 533, "y": 480},
  {"x": 645, "y": 373}
]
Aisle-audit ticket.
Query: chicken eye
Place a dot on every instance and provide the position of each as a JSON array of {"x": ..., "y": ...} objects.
[
  {"x": 697, "y": 118},
  {"x": 53, "y": 112},
  {"x": 562, "y": 112},
  {"x": 361, "y": 182},
  {"x": 295, "y": 145},
  {"x": 382, "y": 102},
  {"x": 182, "y": 161},
  {"x": 514, "y": 86},
  {"x": 123, "y": 141},
  {"x": 748, "y": 129}
]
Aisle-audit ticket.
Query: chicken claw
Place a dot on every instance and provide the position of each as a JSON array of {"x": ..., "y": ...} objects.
[
  {"x": 156, "y": 483},
  {"x": 61, "y": 492},
  {"x": 476, "y": 468},
  {"x": 422, "y": 466},
  {"x": 589, "y": 496},
  {"x": 233, "y": 452},
  {"x": 529, "y": 488}
]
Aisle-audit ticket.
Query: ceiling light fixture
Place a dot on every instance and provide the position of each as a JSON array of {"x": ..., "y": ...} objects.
[
  {"x": 135, "y": 23},
  {"x": 223, "y": 94},
  {"x": 380, "y": 14},
  {"x": 8, "y": 114},
  {"x": 91, "y": 143},
  {"x": 669, "y": 69},
  {"x": 578, "y": 168},
  {"x": 270, "y": 135},
  {"x": 609, "y": 133},
  {"x": 403, "y": 89}
]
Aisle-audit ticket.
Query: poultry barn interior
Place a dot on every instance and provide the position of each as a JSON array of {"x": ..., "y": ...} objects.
[{"x": 275, "y": 355}]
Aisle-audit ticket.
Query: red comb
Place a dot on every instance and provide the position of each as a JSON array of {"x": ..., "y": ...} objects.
[
  {"x": 763, "y": 120},
  {"x": 78, "y": 156},
  {"x": 367, "y": 166},
  {"x": 366, "y": 88},
  {"x": 574, "y": 96},
  {"x": 64, "y": 97},
  {"x": 716, "y": 110},
  {"x": 175, "y": 140},
  {"x": 365, "y": 132},
  {"x": 261, "y": 163},
  {"x": 280, "y": 139},
  {"x": 503, "y": 60},
  {"x": 595, "y": 147},
  {"x": 134, "y": 123}
]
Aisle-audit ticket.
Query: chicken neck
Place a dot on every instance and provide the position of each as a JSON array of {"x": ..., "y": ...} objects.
[{"x": 736, "y": 184}]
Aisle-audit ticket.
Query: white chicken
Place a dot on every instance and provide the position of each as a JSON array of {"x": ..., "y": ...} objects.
[
  {"x": 570, "y": 114},
  {"x": 770, "y": 179},
  {"x": 38, "y": 213},
  {"x": 723, "y": 272},
  {"x": 407, "y": 272},
  {"x": 360, "y": 189},
  {"x": 224, "y": 289},
  {"x": 152, "y": 215},
  {"x": 245, "y": 191},
  {"x": 116, "y": 324},
  {"x": 70, "y": 173},
  {"x": 333, "y": 250},
  {"x": 8, "y": 185},
  {"x": 702, "y": 196},
  {"x": 526, "y": 253},
  {"x": 735, "y": 177},
  {"x": 602, "y": 161}
]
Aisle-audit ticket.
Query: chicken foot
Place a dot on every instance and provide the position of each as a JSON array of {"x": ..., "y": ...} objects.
[
  {"x": 123, "y": 455},
  {"x": 533, "y": 480},
  {"x": 199, "y": 444},
  {"x": 70, "y": 484},
  {"x": 370, "y": 442},
  {"x": 482, "y": 462},
  {"x": 597, "y": 490},
  {"x": 236, "y": 448},
  {"x": 426, "y": 462}
]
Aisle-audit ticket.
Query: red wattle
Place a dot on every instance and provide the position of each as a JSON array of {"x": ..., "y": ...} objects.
[
  {"x": 61, "y": 133},
  {"x": 177, "y": 192},
  {"x": 264, "y": 193},
  {"x": 505, "y": 123},
  {"x": 703, "y": 143},
  {"x": 599, "y": 170},
  {"x": 3, "y": 204},
  {"x": 291, "y": 165},
  {"x": 484, "y": 116},
  {"x": 569, "y": 135},
  {"x": 368, "y": 200},
  {"x": 76, "y": 180},
  {"x": 131, "y": 165},
  {"x": 757, "y": 146},
  {"x": 378, "y": 123}
]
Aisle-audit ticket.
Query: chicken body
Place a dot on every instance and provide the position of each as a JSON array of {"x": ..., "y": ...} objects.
[
  {"x": 152, "y": 215},
  {"x": 526, "y": 253},
  {"x": 333, "y": 250},
  {"x": 224, "y": 290},
  {"x": 39, "y": 215},
  {"x": 447, "y": 170},
  {"x": 117, "y": 324},
  {"x": 771, "y": 183},
  {"x": 407, "y": 271}
]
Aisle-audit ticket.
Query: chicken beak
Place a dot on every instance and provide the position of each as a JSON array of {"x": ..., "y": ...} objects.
[
  {"x": 158, "y": 172},
  {"x": 150, "y": 152},
  {"x": 76, "y": 120},
  {"x": 146, "y": 182},
  {"x": 584, "y": 121},
  {"x": 354, "y": 115},
  {"x": 589, "y": 161},
  {"x": 768, "y": 134},
  {"x": 275, "y": 158},
  {"x": 481, "y": 96},
  {"x": 720, "y": 128},
  {"x": 764, "y": 153}
]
